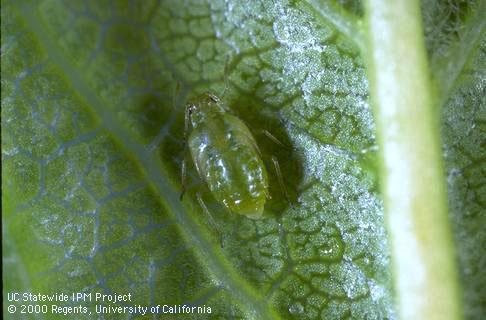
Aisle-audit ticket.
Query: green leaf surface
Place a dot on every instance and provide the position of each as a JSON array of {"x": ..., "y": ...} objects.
[
  {"x": 456, "y": 42},
  {"x": 93, "y": 97}
]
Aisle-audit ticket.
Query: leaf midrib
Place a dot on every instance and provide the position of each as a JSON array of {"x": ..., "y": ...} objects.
[{"x": 216, "y": 263}]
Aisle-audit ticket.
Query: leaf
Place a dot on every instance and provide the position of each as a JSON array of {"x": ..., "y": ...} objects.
[
  {"x": 461, "y": 40},
  {"x": 463, "y": 135},
  {"x": 92, "y": 127}
]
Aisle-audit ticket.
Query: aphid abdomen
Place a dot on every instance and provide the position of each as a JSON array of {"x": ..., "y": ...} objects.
[{"x": 226, "y": 157}]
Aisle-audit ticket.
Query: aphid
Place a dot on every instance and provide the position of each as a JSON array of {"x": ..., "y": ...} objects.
[{"x": 226, "y": 156}]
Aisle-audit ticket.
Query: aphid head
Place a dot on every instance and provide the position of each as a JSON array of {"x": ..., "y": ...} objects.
[{"x": 202, "y": 105}]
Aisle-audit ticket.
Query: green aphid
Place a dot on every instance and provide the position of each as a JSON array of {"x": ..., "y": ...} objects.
[{"x": 226, "y": 156}]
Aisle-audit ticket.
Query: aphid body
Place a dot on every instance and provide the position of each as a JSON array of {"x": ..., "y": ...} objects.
[{"x": 226, "y": 156}]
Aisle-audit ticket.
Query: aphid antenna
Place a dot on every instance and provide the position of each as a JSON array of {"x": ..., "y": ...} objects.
[
  {"x": 187, "y": 111},
  {"x": 211, "y": 220},
  {"x": 183, "y": 177},
  {"x": 187, "y": 118},
  {"x": 176, "y": 94}
]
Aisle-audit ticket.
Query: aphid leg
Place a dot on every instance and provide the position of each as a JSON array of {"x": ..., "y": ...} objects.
[
  {"x": 212, "y": 223},
  {"x": 269, "y": 136},
  {"x": 187, "y": 115},
  {"x": 280, "y": 179},
  {"x": 274, "y": 139}
]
